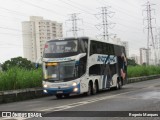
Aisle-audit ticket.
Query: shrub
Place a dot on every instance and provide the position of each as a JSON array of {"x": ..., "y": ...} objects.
[
  {"x": 19, "y": 78},
  {"x": 137, "y": 71}
]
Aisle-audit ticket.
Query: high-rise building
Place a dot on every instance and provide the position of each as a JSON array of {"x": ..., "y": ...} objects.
[
  {"x": 35, "y": 33},
  {"x": 143, "y": 55}
]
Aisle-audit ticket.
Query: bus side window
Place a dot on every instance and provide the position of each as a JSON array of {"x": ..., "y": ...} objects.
[
  {"x": 112, "y": 50},
  {"x": 95, "y": 70},
  {"x": 99, "y": 48},
  {"x": 82, "y": 66},
  {"x": 93, "y": 48},
  {"x": 104, "y": 50},
  {"x": 83, "y": 46},
  {"x": 81, "y": 70},
  {"x": 109, "y": 49}
]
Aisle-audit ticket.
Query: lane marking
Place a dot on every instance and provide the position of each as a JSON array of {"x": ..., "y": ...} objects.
[
  {"x": 68, "y": 106},
  {"x": 83, "y": 103},
  {"x": 150, "y": 98}
]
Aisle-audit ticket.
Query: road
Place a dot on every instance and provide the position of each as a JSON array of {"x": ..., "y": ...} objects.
[{"x": 141, "y": 96}]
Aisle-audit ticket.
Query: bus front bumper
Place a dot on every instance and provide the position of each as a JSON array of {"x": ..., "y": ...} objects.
[{"x": 68, "y": 90}]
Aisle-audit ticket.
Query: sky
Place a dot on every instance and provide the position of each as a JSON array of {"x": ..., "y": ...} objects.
[{"x": 127, "y": 16}]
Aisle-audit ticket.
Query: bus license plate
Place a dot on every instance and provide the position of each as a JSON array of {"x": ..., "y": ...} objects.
[{"x": 59, "y": 91}]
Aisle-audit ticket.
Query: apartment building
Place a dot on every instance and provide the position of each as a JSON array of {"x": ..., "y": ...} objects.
[
  {"x": 143, "y": 55},
  {"x": 35, "y": 33}
]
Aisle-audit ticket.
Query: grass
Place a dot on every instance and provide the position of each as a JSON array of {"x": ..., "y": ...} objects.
[
  {"x": 18, "y": 78},
  {"x": 137, "y": 71}
]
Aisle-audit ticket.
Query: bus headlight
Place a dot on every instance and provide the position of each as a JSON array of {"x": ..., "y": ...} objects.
[
  {"x": 45, "y": 91},
  {"x": 75, "y": 89},
  {"x": 74, "y": 84},
  {"x": 45, "y": 85}
]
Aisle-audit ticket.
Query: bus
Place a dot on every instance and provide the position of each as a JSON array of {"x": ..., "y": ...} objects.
[{"x": 82, "y": 65}]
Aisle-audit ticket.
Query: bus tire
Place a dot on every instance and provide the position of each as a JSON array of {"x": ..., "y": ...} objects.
[
  {"x": 89, "y": 89},
  {"x": 119, "y": 84},
  {"x": 58, "y": 96},
  {"x": 66, "y": 95},
  {"x": 95, "y": 88}
]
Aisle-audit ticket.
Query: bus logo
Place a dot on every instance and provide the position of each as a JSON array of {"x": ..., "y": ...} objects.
[{"x": 106, "y": 59}]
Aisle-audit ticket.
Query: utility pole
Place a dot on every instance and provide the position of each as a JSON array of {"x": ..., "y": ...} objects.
[
  {"x": 105, "y": 24},
  {"x": 74, "y": 21},
  {"x": 150, "y": 38}
]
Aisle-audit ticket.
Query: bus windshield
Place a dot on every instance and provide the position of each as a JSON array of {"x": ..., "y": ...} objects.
[
  {"x": 61, "y": 71},
  {"x": 61, "y": 46}
]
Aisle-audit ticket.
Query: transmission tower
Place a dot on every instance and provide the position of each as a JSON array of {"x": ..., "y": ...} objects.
[
  {"x": 105, "y": 24},
  {"x": 74, "y": 21},
  {"x": 150, "y": 37},
  {"x": 158, "y": 45}
]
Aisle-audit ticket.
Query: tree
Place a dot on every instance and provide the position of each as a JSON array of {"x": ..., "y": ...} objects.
[
  {"x": 19, "y": 62},
  {"x": 131, "y": 62}
]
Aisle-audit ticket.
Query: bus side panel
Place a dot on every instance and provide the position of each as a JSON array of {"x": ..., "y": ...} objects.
[
  {"x": 104, "y": 66},
  {"x": 122, "y": 65},
  {"x": 83, "y": 84}
]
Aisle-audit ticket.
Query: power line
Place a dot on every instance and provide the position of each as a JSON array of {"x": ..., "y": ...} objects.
[
  {"x": 15, "y": 12},
  {"x": 36, "y": 6},
  {"x": 46, "y": 9},
  {"x": 11, "y": 29},
  {"x": 81, "y": 5},
  {"x": 129, "y": 26},
  {"x": 118, "y": 8},
  {"x": 77, "y": 7}
]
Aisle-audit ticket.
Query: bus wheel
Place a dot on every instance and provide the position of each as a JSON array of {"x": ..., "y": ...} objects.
[
  {"x": 66, "y": 95},
  {"x": 89, "y": 89},
  {"x": 95, "y": 88},
  {"x": 119, "y": 84},
  {"x": 58, "y": 96}
]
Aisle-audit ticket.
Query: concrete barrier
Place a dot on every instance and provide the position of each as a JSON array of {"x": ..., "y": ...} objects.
[
  {"x": 139, "y": 79},
  {"x": 30, "y": 93},
  {"x": 21, "y": 94}
]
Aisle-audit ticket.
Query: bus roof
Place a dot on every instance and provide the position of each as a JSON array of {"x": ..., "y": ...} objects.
[
  {"x": 84, "y": 37},
  {"x": 68, "y": 38}
]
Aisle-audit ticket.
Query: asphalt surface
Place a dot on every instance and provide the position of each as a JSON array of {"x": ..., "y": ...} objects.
[{"x": 141, "y": 96}]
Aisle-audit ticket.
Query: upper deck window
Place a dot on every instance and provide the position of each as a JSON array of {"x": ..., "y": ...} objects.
[{"x": 61, "y": 46}]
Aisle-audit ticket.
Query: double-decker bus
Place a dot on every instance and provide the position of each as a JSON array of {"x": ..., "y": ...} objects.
[{"x": 82, "y": 65}]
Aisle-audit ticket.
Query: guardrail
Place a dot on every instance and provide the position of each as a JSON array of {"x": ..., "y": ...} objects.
[{"x": 30, "y": 93}]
